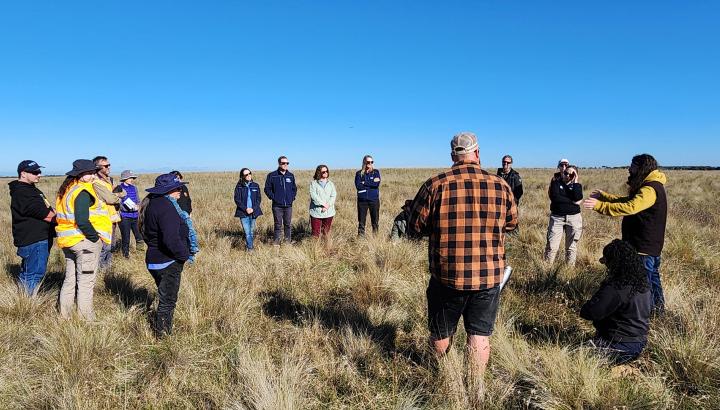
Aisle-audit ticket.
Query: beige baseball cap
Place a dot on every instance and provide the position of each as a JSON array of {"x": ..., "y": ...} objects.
[{"x": 464, "y": 143}]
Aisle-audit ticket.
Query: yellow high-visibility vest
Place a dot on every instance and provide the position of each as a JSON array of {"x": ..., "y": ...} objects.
[
  {"x": 68, "y": 233},
  {"x": 114, "y": 214}
]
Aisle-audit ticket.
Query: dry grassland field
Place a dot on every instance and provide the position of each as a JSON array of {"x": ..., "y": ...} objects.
[{"x": 343, "y": 324}]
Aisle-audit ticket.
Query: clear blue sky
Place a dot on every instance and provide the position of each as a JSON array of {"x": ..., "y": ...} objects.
[{"x": 227, "y": 84}]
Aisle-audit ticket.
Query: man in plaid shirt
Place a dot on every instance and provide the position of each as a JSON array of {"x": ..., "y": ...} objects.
[{"x": 466, "y": 213}]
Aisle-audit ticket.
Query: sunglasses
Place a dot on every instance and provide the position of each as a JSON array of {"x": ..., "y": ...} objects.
[
  {"x": 507, "y": 162},
  {"x": 369, "y": 162},
  {"x": 324, "y": 172},
  {"x": 248, "y": 174},
  {"x": 34, "y": 172},
  {"x": 568, "y": 174},
  {"x": 285, "y": 163},
  {"x": 105, "y": 166}
]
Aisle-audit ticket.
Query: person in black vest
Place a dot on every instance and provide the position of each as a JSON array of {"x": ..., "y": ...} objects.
[
  {"x": 512, "y": 177},
  {"x": 644, "y": 212},
  {"x": 620, "y": 309},
  {"x": 184, "y": 201}
]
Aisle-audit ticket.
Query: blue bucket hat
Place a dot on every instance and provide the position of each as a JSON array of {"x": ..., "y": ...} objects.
[{"x": 165, "y": 183}]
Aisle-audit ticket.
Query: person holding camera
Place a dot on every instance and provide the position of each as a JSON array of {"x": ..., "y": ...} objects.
[{"x": 565, "y": 193}]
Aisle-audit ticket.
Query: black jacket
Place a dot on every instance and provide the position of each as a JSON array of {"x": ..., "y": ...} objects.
[
  {"x": 563, "y": 197},
  {"x": 165, "y": 233},
  {"x": 29, "y": 207},
  {"x": 617, "y": 315},
  {"x": 513, "y": 179},
  {"x": 185, "y": 201}
]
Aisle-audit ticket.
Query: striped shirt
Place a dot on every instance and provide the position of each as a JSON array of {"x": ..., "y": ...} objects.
[{"x": 465, "y": 212}]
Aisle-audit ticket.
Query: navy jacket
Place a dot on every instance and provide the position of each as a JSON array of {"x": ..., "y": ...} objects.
[
  {"x": 241, "y": 196},
  {"x": 367, "y": 189},
  {"x": 165, "y": 233},
  {"x": 281, "y": 189}
]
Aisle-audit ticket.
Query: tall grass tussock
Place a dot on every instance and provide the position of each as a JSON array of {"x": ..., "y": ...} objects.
[{"x": 342, "y": 323}]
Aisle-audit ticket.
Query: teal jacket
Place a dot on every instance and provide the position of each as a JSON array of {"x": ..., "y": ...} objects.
[{"x": 320, "y": 196}]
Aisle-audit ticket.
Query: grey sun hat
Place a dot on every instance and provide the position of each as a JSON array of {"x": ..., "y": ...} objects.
[
  {"x": 127, "y": 174},
  {"x": 463, "y": 143}
]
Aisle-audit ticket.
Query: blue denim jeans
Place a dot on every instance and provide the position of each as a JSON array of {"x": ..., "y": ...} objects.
[
  {"x": 249, "y": 228},
  {"x": 34, "y": 264},
  {"x": 652, "y": 266}
]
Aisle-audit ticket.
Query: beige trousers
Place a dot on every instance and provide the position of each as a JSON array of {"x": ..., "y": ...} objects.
[
  {"x": 81, "y": 265},
  {"x": 571, "y": 227}
]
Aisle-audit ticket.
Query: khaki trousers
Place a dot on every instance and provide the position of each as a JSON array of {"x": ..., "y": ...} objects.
[
  {"x": 571, "y": 227},
  {"x": 81, "y": 265}
]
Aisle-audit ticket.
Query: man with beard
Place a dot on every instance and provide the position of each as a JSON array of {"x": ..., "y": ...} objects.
[{"x": 644, "y": 212}]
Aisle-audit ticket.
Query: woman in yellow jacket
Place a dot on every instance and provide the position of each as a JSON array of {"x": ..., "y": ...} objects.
[{"x": 83, "y": 225}]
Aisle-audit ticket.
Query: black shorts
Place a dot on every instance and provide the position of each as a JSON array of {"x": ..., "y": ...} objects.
[{"x": 445, "y": 306}]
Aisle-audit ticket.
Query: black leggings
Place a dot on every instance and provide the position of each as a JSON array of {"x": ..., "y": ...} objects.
[{"x": 374, "y": 208}]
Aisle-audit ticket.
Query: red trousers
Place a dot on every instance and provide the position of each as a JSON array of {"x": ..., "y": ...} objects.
[{"x": 320, "y": 225}]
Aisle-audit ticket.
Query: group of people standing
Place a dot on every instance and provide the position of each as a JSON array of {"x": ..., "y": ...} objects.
[
  {"x": 281, "y": 188},
  {"x": 466, "y": 213},
  {"x": 87, "y": 210}
]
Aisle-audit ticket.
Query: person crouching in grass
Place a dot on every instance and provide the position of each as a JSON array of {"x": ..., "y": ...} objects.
[{"x": 620, "y": 309}]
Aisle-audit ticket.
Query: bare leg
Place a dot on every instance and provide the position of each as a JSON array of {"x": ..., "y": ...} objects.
[{"x": 479, "y": 352}]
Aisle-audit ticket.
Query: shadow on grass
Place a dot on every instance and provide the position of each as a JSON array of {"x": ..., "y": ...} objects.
[
  {"x": 127, "y": 293},
  {"x": 52, "y": 281},
  {"x": 12, "y": 270},
  {"x": 551, "y": 333},
  {"x": 339, "y": 314},
  {"x": 300, "y": 232}
]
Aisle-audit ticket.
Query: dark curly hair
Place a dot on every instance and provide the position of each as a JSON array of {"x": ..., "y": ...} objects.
[
  {"x": 645, "y": 164},
  {"x": 625, "y": 267}
]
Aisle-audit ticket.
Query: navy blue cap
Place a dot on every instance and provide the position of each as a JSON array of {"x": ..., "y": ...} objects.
[
  {"x": 28, "y": 166},
  {"x": 165, "y": 183}
]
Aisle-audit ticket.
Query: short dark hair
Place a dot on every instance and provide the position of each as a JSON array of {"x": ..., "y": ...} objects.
[
  {"x": 281, "y": 157},
  {"x": 318, "y": 174},
  {"x": 99, "y": 158},
  {"x": 507, "y": 156}
]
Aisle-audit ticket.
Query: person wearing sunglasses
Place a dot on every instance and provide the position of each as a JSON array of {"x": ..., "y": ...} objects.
[
  {"x": 247, "y": 200},
  {"x": 280, "y": 188},
  {"x": 565, "y": 217},
  {"x": 367, "y": 183},
  {"x": 33, "y": 221},
  {"x": 512, "y": 177},
  {"x": 105, "y": 191},
  {"x": 322, "y": 202}
]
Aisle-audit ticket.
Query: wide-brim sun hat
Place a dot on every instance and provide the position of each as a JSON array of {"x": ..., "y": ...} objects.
[
  {"x": 165, "y": 183},
  {"x": 127, "y": 174},
  {"x": 81, "y": 166}
]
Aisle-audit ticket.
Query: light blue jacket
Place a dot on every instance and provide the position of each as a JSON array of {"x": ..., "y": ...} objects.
[{"x": 320, "y": 196}]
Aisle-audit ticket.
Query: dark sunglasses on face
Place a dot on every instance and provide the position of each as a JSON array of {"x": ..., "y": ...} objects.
[
  {"x": 569, "y": 174},
  {"x": 248, "y": 174},
  {"x": 105, "y": 166},
  {"x": 507, "y": 162},
  {"x": 324, "y": 172},
  {"x": 34, "y": 172},
  {"x": 369, "y": 162},
  {"x": 285, "y": 163}
]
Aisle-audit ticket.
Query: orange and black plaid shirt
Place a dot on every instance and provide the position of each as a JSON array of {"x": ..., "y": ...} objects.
[{"x": 466, "y": 212}]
